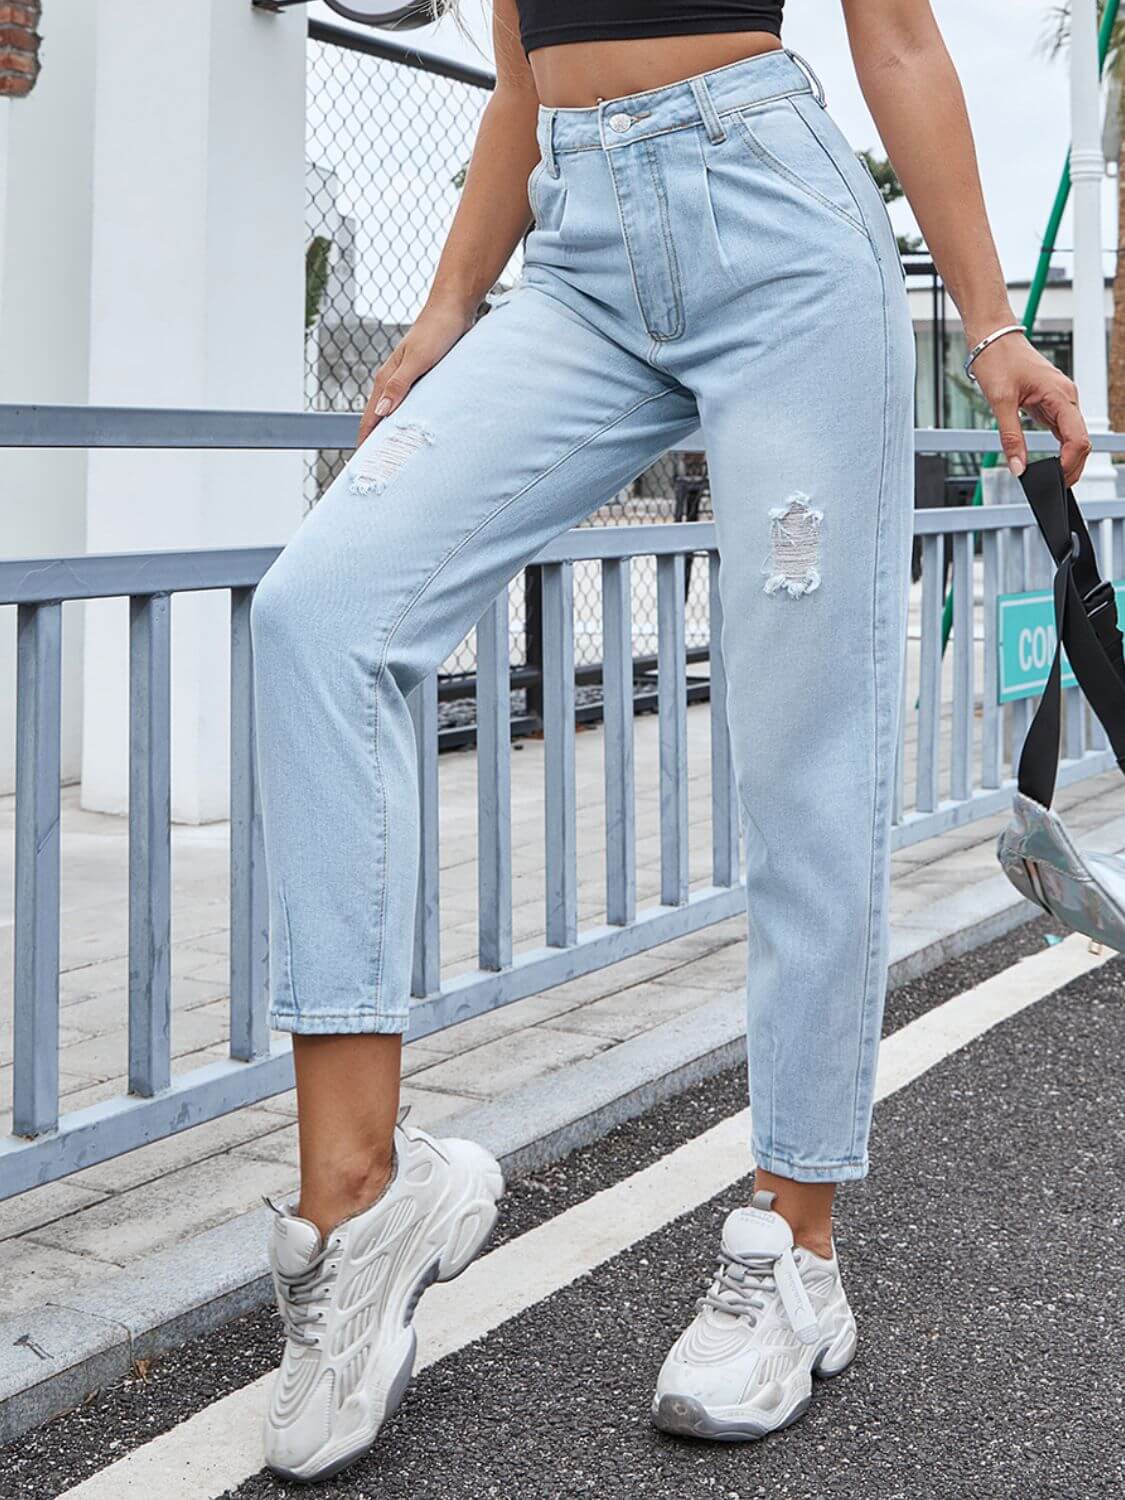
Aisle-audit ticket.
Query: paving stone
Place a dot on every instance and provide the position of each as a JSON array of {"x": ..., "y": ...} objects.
[
  {"x": 122, "y": 1173},
  {"x": 33, "y": 1272},
  {"x": 86, "y": 980},
  {"x": 724, "y": 969},
  {"x": 548, "y": 1005},
  {"x": 200, "y": 964},
  {"x": 281, "y": 1104},
  {"x": 104, "y": 1055},
  {"x": 66, "y": 1034},
  {"x": 509, "y": 1061},
  {"x": 628, "y": 1013},
  {"x": 110, "y": 1011},
  {"x": 41, "y": 1205},
  {"x": 216, "y": 942},
  {"x": 423, "y": 1054},
  {"x": 160, "y": 1213}
]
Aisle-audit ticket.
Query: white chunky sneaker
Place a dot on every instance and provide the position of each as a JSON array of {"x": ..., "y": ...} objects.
[
  {"x": 773, "y": 1317},
  {"x": 347, "y": 1302}
]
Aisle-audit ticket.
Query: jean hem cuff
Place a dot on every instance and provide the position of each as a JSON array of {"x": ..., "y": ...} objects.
[
  {"x": 344, "y": 1024},
  {"x": 796, "y": 1171}
]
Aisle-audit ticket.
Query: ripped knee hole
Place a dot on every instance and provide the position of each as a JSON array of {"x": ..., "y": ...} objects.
[
  {"x": 793, "y": 564},
  {"x": 380, "y": 460}
]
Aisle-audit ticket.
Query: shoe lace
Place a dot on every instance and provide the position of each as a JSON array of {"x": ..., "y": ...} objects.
[
  {"x": 745, "y": 1285},
  {"x": 302, "y": 1294},
  {"x": 742, "y": 1287}
]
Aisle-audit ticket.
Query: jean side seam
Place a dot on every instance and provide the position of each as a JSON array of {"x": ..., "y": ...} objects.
[
  {"x": 417, "y": 596},
  {"x": 288, "y": 931},
  {"x": 747, "y": 822},
  {"x": 880, "y": 781}
]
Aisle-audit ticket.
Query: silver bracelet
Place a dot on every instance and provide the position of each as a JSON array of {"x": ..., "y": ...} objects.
[{"x": 984, "y": 343}]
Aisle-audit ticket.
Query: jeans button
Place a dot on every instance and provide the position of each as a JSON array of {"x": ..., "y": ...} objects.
[{"x": 620, "y": 123}]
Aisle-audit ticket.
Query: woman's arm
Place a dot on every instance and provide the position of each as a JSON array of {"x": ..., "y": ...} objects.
[
  {"x": 490, "y": 220},
  {"x": 914, "y": 94}
]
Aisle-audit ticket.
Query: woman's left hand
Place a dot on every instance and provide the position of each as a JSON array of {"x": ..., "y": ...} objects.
[{"x": 1013, "y": 374}]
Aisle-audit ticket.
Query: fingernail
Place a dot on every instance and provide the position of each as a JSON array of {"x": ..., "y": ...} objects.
[
  {"x": 1017, "y": 466},
  {"x": 383, "y": 407}
]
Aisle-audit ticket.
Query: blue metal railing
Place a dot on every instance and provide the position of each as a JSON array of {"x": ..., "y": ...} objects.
[{"x": 45, "y": 1144}]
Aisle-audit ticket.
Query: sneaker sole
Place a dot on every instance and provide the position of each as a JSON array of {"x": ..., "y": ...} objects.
[
  {"x": 493, "y": 1183},
  {"x": 685, "y": 1416}
]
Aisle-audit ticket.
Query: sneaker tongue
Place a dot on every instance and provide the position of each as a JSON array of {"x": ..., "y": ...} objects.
[
  {"x": 295, "y": 1242},
  {"x": 756, "y": 1231}
]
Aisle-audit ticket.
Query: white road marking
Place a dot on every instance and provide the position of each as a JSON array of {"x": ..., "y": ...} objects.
[{"x": 220, "y": 1446}]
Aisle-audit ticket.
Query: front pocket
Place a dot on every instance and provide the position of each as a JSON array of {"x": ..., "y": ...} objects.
[
  {"x": 784, "y": 141},
  {"x": 532, "y": 185},
  {"x": 547, "y": 196}
]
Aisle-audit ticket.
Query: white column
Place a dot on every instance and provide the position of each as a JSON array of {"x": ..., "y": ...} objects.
[
  {"x": 1087, "y": 172},
  {"x": 46, "y": 159},
  {"x": 197, "y": 301}
]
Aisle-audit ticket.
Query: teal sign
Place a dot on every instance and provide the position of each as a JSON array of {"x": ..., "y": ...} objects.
[{"x": 1026, "y": 643}]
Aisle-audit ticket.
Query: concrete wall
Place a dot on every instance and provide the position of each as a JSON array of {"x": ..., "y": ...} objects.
[
  {"x": 46, "y": 155},
  {"x": 197, "y": 300}
]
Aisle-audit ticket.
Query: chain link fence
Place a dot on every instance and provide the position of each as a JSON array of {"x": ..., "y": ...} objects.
[{"x": 389, "y": 133}]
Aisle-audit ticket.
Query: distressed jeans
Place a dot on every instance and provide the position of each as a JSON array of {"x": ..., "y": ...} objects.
[{"x": 709, "y": 254}]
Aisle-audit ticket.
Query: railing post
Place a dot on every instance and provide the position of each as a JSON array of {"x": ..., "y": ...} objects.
[
  {"x": 617, "y": 694},
  {"x": 1016, "y": 542},
  {"x": 533, "y": 640},
  {"x": 249, "y": 901},
  {"x": 150, "y": 849},
  {"x": 494, "y": 788},
  {"x": 35, "y": 1040},
  {"x": 991, "y": 719},
  {"x": 558, "y": 734},
  {"x": 672, "y": 696},
  {"x": 961, "y": 768},
  {"x": 929, "y": 694}
]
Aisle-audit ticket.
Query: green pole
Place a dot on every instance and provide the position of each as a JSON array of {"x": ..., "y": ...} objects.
[{"x": 1038, "y": 282}]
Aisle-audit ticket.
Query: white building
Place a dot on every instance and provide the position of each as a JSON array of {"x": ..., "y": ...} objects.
[
  {"x": 155, "y": 207},
  {"x": 152, "y": 191}
]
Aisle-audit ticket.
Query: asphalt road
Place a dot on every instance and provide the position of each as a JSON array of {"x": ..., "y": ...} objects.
[{"x": 983, "y": 1256}]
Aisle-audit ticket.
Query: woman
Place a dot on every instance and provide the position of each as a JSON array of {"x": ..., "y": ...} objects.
[{"x": 706, "y": 251}]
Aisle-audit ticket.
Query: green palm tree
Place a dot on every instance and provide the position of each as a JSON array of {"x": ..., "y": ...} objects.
[{"x": 1056, "y": 39}]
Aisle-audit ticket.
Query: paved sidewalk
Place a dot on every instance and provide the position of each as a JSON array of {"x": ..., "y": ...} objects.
[{"x": 108, "y": 1216}]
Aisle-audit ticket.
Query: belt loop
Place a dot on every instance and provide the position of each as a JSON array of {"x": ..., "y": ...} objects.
[
  {"x": 547, "y": 144},
  {"x": 707, "y": 111},
  {"x": 807, "y": 69}
]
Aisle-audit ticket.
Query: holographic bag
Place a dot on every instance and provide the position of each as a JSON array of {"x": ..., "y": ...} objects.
[{"x": 1084, "y": 890}]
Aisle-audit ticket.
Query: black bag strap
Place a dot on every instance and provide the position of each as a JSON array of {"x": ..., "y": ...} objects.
[{"x": 1085, "y": 623}]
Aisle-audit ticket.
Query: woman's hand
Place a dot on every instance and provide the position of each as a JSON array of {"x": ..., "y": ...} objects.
[
  {"x": 1013, "y": 374},
  {"x": 438, "y": 327}
]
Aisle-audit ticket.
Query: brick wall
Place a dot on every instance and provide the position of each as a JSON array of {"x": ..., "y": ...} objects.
[{"x": 19, "y": 46}]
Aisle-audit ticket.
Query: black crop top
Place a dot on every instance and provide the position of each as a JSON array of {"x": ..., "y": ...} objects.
[{"x": 546, "y": 22}]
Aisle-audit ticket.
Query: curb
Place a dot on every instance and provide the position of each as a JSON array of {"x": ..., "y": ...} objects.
[{"x": 53, "y": 1356}]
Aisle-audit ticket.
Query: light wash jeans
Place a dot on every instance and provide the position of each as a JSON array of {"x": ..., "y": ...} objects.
[{"x": 711, "y": 253}]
